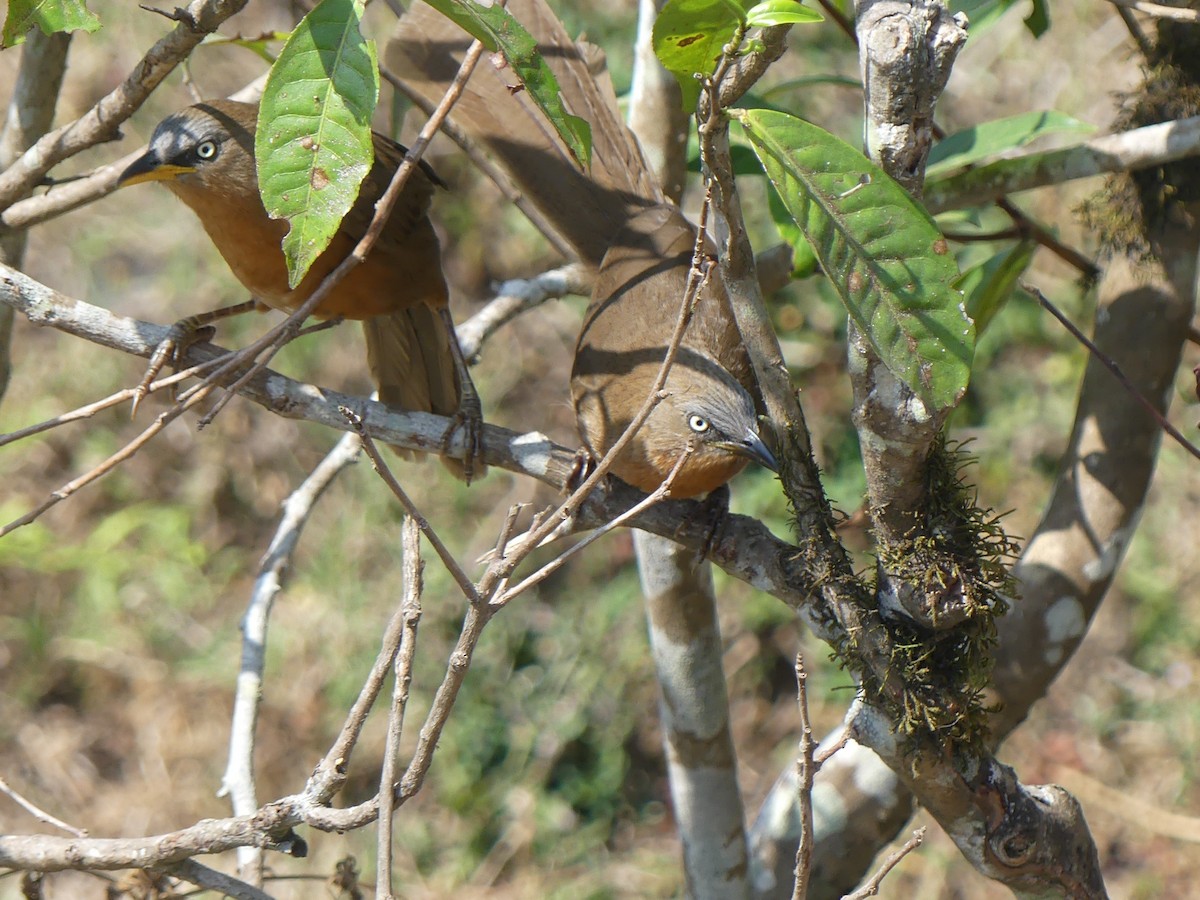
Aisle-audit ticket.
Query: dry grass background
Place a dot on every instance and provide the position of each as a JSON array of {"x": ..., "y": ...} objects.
[{"x": 119, "y": 609}]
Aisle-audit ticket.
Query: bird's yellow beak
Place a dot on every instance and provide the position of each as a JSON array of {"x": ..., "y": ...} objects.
[{"x": 149, "y": 168}]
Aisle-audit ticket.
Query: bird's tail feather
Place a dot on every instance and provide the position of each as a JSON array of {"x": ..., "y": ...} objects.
[{"x": 408, "y": 353}]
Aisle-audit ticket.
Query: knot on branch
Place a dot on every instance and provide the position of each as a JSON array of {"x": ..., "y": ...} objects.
[{"x": 1035, "y": 831}]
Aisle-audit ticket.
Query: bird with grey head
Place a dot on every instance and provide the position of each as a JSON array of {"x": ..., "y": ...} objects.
[{"x": 708, "y": 404}]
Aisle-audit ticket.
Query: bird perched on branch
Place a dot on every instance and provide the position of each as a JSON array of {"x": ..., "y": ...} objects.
[
  {"x": 708, "y": 406},
  {"x": 612, "y": 214},
  {"x": 205, "y": 155}
]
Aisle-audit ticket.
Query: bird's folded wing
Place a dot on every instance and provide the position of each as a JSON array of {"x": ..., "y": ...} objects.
[{"x": 587, "y": 207}]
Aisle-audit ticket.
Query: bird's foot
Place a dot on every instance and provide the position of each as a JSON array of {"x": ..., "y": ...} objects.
[
  {"x": 468, "y": 419},
  {"x": 713, "y": 515},
  {"x": 182, "y": 335},
  {"x": 581, "y": 469}
]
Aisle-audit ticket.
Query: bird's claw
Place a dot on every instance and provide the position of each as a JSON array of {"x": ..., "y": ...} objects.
[
  {"x": 469, "y": 420},
  {"x": 582, "y": 467},
  {"x": 714, "y": 514},
  {"x": 182, "y": 335}
]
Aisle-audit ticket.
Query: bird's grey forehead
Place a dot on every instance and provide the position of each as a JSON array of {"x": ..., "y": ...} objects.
[
  {"x": 717, "y": 396},
  {"x": 180, "y": 132},
  {"x": 183, "y": 130}
]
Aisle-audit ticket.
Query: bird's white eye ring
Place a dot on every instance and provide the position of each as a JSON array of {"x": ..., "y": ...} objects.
[
  {"x": 698, "y": 424},
  {"x": 206, "y": 149}
]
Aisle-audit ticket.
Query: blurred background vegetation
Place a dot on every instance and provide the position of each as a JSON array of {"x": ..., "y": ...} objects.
[{"x": 119, "y": 609}]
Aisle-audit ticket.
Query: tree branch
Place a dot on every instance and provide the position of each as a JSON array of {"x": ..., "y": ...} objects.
[
  {"x": 1127, "y": 151},
  {"x": 102, "y": 122}
]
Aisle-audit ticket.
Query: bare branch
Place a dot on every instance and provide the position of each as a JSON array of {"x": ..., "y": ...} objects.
[
  {"x": 1127, "y": 151},
  {"x": 102, "y": 122},
  {"x": 210, "y": 879},
  {"x": 238, "y": 780},
  {"x": 805, "y": 772},
  {"x": 37, "y": 812},
  {"x": 1107, "y": 361},
  {"x": 871, "y": 888},
  {"x": 517, "y": 296},
  {"x": 411, "y": 605},
  {"x": 456, "y": 571},
  {"x": 30, "y": 115},
  {"x": 1161, "y": 11}
]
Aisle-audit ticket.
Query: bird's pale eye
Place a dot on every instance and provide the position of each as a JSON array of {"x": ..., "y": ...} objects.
[
  {"x": 698, "y": 424},
  {"x": 206, "y": 149}
]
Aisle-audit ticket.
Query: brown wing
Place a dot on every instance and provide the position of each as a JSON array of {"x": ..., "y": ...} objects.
[
  {"x": 587, "y": 208},
  {"x": 415, "y": 200}
]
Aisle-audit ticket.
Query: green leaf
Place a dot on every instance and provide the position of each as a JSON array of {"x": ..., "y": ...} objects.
[
  {"x": 991, "y": 138},
  {"x": 879, "y": 248},
  {"x": 745, "y": 161},
  {"x": 809, "y": 81},
  {"x": 781, "y": 12},
  {"x": 52, "y": 16},
  {"x": 988, "y": 286},
  {"x": 689, "y": 36},
  {"x": 313, "y": 146},
  {"x": 804, "y": 259},
  {"x": 259, "y": 46},
  {"x": 1038, "y": 20},
  {"x": 982, "y": 14},
  {"x": 495, "y": 27}
]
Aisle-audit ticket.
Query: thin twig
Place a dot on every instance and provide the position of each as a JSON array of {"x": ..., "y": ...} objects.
[
  {"x": 381, "y": 467},
  {"x": 1047, "y": 239},
  {"x": 37, "y": 812},
  {"x": 238, "y": 780},
  {"x": 411, "y": 605},
  {"x": 163, "y": 420},
  {"x": 1111, "y": 365},
  {"x": 1145, "y": 47},
  {"x": 657, "y": 495},
  {"x": 871, "y": 888},
  {"x": 1159, "y": 11},
  {"x": 822, "y": 754},
  {"x": 476, "y": 618},
  {"x": 805, "y": 772},
  {"x": 331, "y": 771},
  {"x": 211, "y": 880},
  {"x": 90, "y": 409},
  {"x": 103, "y": 121}
]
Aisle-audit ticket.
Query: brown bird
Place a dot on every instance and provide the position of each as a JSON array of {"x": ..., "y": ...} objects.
[
  {"x": 205, "y": 155},
  {"x": 626, "y": 331},
  {"x": 612, "y": 215}
]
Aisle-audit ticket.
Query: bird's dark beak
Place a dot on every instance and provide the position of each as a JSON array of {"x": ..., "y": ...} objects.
[
  {"x": 752, "y": 447},
  {"x": 150, "y": 168}
]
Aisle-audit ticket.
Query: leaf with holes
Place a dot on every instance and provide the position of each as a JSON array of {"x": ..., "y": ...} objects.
[
  {"x": 880, "y": 249},
  {"x": 313, "y": 146},
  {"x": 52, "y": 16},
  {"x": 689, "y": 36},
  {"x": 496, "y": 29}
]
